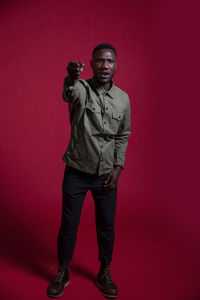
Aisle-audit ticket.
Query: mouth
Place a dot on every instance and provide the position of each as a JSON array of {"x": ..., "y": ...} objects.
[{"x": 104, "y": 75}]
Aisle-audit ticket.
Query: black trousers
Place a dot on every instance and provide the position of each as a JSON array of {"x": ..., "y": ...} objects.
[{"x": 74, "y": 188}]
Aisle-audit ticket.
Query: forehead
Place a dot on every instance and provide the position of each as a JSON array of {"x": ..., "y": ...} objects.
[{"x": 105, "y": 53}]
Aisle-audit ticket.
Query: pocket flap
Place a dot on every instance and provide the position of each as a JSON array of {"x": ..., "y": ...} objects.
[
  {"x": 117, "y": 115},
  {"x": 93, "y": 108}
]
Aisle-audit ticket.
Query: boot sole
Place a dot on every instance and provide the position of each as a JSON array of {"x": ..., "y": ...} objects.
[
  {"x": 102, "y": 291},
  {"x": 56, "y": 296}
]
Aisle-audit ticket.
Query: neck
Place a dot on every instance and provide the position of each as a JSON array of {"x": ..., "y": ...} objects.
[{"x": 107, "y": 86}]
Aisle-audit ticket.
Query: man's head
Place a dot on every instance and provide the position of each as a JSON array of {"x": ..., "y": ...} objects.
[{"x": 104, "y": 63}]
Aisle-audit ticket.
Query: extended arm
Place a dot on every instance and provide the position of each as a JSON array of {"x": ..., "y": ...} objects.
[{"x": 72, "y": 89}]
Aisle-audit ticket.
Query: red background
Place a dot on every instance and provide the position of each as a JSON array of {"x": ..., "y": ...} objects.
[{"x": 157, "y": 225}]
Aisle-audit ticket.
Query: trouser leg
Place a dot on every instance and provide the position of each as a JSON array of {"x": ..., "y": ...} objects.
[
  {"x": 105, "y": 208},
  {"x": 74, "y": 189}
]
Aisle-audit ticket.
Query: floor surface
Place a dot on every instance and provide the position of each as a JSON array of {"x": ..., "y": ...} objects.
[{"x": 147, "y": 264}]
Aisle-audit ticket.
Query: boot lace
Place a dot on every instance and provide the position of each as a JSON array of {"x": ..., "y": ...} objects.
[
  {"x": 61, "y": 273},
  {"x": 107, "y": 275}
]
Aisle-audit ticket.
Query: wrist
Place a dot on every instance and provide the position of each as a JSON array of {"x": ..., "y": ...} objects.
[
  {"x": 118, "y": 167},
  {"x": 71, "y": 81}
]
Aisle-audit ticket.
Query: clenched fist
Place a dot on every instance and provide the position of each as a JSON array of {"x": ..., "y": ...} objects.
[{"x": 74, "y": 69}]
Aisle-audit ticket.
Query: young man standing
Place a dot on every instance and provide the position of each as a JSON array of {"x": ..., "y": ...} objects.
[{"x": 100, "y": 126}]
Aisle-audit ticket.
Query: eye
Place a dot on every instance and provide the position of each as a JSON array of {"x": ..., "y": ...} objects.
[{"x": 99, "y": 60}]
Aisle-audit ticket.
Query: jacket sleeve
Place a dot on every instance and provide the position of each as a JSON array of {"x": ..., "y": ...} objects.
[
  {"x": 121, "y": 138},
  {"x": 75, "y": 94}
]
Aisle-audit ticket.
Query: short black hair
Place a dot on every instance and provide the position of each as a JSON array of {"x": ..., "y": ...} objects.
[{"x": 104, "y": 46}]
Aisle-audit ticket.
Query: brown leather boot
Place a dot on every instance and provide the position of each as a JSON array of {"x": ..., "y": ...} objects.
[
  {"x": 105, "y": 283},
  {"x": 56, "y": 287}
]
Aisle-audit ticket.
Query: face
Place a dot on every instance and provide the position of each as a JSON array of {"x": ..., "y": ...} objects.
[{"x": 104, "y": 64}]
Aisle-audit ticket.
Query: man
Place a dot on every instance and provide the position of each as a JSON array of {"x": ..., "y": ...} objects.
[{"x": 100, "y": 126}]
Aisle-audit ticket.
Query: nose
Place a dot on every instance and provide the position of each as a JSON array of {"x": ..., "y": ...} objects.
[{"x": 105, "y": 64}]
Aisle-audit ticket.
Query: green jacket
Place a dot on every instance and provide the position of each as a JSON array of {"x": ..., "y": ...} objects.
[{"x": 100, "y": 126}]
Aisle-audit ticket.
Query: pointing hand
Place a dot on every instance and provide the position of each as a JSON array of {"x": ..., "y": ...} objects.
[{"x": 74, "y": 69}]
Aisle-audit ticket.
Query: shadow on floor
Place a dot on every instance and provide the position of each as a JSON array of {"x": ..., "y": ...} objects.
[
  {"x": 27, "y": 247},
  {"x": 22, "y": 246}
]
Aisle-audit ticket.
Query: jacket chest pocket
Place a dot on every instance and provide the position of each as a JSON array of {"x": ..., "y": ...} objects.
[
  {"x": 93, "y": 107},
  {"x": 93, "y": 117},
  {"x": 116, "y": 120},
  {"x": 117, "y": 116}
]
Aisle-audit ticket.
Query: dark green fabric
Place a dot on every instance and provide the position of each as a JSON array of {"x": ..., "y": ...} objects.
[{"x": 100, "y": 126}]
